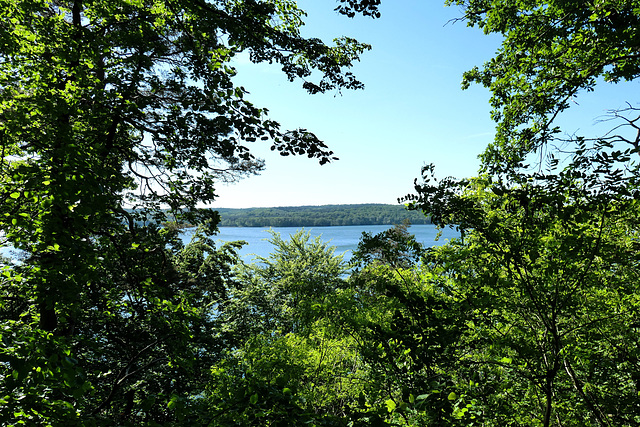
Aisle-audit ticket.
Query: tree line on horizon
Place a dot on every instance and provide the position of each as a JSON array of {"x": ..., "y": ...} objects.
[
  {"x": 112, "y": 110},
  {"x": 320, "y": 216}
]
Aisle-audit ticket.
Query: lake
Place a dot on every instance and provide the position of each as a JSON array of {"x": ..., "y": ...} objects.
[{"x": 344, "y": 238}]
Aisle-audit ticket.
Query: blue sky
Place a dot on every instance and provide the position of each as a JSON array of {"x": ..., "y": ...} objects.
[{"x": 411, "y": 112}]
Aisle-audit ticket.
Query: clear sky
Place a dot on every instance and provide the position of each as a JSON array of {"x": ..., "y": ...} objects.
[{"x": 411, "y": 112}]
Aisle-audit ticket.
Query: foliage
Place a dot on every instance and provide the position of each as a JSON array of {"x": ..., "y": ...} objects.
[
  {"x": 529, "y": 319},
  {"x": 548, "y": 273},
  {"x": 107, "y": 105},
  {"x": 550, "y": 52},
  {"x": 365, "y": 7},
  {"x": 406, "y": 330},
  {"x": 134, "y": 349},
  {"x": 548, "y": 259},
  {"x": 287, "y": 291},
  {"x": 545, "y": 275},
  {"x": 394, "y": 246},
  {"x": 292, "y": 364},
  {"x": 287, "y": 380}
]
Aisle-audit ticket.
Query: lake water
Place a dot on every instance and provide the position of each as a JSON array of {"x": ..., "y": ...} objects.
[{"x": 344, "y": 238}]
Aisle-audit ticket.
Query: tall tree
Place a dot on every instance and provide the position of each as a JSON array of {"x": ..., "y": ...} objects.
[
  {"x": 286, "y": 291},
  {"x": 107, "y": 105},
  {"x": 547, "y": 272},
  {"x": 293, "y": 364},
  {"x": 551, "y": 51},
  {"x": 547, "y": 263}
]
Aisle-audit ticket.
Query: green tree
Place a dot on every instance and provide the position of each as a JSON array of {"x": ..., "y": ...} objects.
[
  {"x": 395, "y": 246},
  {"x": 287, "y": 291},
  {"x": 293, "y": 363},
  {"x": 107, "y": 105},
  {"x": 553, "y": 253},
  {"x": 139, "y": 346},
  {"x": 546, "y": 268},
  {"x": 547, "y": 263},
  {"x": 551, "y": 51}
]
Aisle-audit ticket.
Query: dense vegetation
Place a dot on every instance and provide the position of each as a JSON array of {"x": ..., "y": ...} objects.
[
  {"x": 320, "y": 216},
  {"x": 530, "y": 318}
]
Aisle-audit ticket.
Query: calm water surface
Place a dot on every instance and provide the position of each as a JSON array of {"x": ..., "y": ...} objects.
[{"x": 344, "y": 238}]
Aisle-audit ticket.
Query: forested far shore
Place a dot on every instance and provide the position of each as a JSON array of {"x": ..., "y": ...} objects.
[{"x": 320, "y": 216}]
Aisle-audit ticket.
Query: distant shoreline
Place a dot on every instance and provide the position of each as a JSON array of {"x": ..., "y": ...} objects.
[{"x": 320, "y": 216}]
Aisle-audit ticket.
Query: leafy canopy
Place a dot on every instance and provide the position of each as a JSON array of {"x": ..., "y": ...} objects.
[
  {"x": 551, "y": 51},
  {"x": 109, "y": 112}
]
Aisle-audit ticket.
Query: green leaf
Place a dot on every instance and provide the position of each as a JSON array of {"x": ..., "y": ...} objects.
[
  {"x": 391, "y": 405},
  {"x": 173, "y": 401}
]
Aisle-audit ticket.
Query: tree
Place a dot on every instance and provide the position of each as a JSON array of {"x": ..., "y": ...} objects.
[
  {"x": 547, "y": 271},
  {"x": 547, "y": 262},
  {"x": 546, "y": 268},
  {"x": 550, "y": 53},
  {"x": 395, "y": 247},
  {"x": 545, "y": 256},
  {"x": 405, "y": 327},
  {"x": 109, "y": 111},
  {"x": 141, "y": 341},
  {"x": 288, "y": 291},
  {"x": 292, "y": 363}
]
